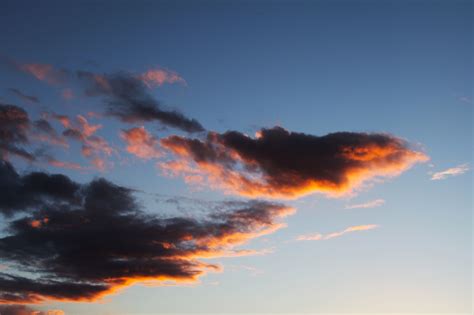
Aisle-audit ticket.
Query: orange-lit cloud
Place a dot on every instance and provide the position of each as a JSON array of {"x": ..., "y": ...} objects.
[
  {"x": 158, "y": 77},
  {"x": 141, "y": 143},
  {"x": 450, "y": 172},
  {"x": 94, "y": 148},
  {"x": 319, "y": 236},
  {"x": 283, "y": 164},
  {"x": 369, "y": 204},
  {"x": 26, "y": 310},
  {"x": 120, "y": 244}
]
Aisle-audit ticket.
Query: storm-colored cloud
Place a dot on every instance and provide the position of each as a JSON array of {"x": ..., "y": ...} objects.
[
  {"x": 23, "y": 96},
  {"x": 79, "y": 242},
  {"x": 141, "y": 143},
  {"x": 18, "y": 134},
  {"x": 33, "y": 191},
  {"x": 14, "y": 128},
  {"x": 282, "y": 164},
  {"x": 126, "y": 98}
]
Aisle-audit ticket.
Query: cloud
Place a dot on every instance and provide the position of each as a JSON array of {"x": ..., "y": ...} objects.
[
  {"x": 124, "y": 94},
  {"x": 141, "y": 143},
  {"x": 17, "y": 132},
  {"x": 127, "y": 99},
  {"x": 23, "y": 96},
  {"x": 158, "y": 77},
  {"x": 319, "y": 236},
  {"x": 94, "y": 148},
  {"x": 454, "y": 171},
  {"x": 22, "y": 193},
  {"x": 45, "y": 72},
  {"x": 283, "y": 164},
  {"x": 14, "y": 128},
  {"x": 25, "y": 310},
  {"x": 370, "y": 204},
  {"x": 44, "y": 132},
  {"x": 80, "y": 242}
]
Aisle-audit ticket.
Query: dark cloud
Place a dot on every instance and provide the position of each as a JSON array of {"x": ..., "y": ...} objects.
[
  {"x": 32, "y": 191},
  {"x": 80, "y": 242},
  {"x": 280, "y": 163},
  {"x": 17, "y": 132},
  {"x": 23, "y": 96},
  {"x": 126, "y": 98},
  {"x": 14, "y": 128}
]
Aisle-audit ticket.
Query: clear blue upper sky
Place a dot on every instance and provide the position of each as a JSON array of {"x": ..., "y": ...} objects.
[{"x": 398, "y": 67}]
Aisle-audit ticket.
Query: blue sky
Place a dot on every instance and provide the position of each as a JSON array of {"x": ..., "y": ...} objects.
[{"x": 315, "y": 67}]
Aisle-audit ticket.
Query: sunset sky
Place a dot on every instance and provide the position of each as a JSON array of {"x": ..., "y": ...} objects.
[{"x": 219, "y": 157}]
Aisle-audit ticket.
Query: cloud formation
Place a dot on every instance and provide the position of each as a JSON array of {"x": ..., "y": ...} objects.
[
  {"x": 141, "y": 143},
  {"x": 126, "y": 98},
  {"x": 80, "y": 242},
  {"x": 93, "y": 147},
  {"x": 124, "y": 94},
  {"x": 281, "y": 164},
  {"x": 369, "y": 204},
  {"x": 14, "y": 127},
  {"x": 450, "y": 172},
  {"x": 17, "y": 132},
  {"x": 319, "y": 236}
]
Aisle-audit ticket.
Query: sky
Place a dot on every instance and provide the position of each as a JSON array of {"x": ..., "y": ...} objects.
[{"x": 164, "y": 157}]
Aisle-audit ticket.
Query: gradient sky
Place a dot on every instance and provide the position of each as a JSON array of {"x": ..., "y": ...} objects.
[{"x": 316, "y": 67}]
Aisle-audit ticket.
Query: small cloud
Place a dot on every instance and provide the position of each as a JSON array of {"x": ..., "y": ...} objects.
[
  {"x": 44, "y": 72},
  {"x": 453, "y": 171},
  {"x": 158, "y": 77},
  {"x": 141, "y": 143},
  {"x": 319, "y": 236},
  {"x": 23, "y": 96},
  {"x": 369, "y": 204}
]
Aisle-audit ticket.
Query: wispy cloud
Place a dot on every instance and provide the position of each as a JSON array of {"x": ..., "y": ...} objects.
[
  {"x": 23, "y": 96},
  {"x": 453, "y": 171},
  {"x": 368, "y": 204},
  {"x": 319, "y": 236}
]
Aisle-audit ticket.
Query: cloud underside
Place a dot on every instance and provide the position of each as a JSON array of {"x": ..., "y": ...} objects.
[
  {"x": 80, "y": 242},
  {"x": 25, "y": 310},
  {"x": 281, "y": 164}
]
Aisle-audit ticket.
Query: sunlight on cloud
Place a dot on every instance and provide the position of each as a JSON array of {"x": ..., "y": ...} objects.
[
  {"x": 369, "y": 204},
  {"x": 450, "y": 172},
  {"x": 319, "y": 236}
]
